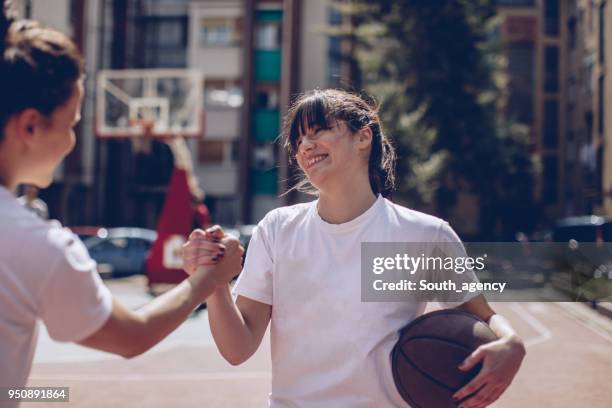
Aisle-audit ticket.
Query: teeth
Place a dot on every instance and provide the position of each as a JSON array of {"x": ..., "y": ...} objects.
[{"x": 314, "y": 160}]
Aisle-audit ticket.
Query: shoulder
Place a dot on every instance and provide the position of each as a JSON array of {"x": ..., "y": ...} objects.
[
  {"x": 421, "y": 226},
  {"x": 282, "y": 216},
  {"x": 406, "y": 214},
  {"x": 50, "y": 243},
  {"x": 283, "y": 219}
]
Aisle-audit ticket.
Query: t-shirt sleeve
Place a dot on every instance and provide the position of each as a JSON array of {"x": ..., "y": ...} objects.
[
  {"x": 449, "y": 245},
  {"x": 255, "y": 281},
  {"x": 73, "y": 303}
]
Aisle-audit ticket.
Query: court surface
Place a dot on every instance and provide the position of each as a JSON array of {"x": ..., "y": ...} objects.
[{"x": 568, "y": 364}]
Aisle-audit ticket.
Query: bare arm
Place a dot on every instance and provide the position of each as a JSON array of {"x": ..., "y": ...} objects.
[
  {"x": 501, "y": 359},
  {"x": 237, "y": 328},
  {"x": 499, "y": 324},
  {"x": 130, "y": 333}
]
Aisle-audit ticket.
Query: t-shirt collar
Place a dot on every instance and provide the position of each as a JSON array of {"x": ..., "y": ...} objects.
[
  {"x": 5, "y": 193},
  {"x": 349, "y": 225}
]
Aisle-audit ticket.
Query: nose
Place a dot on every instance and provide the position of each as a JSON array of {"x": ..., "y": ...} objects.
[{"x": 306, "y": 144}]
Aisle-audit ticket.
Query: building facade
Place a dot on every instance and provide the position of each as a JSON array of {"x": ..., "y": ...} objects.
[
  {"x": 534, "y": 37},
  {"x": 256, "y": 55},
  {"x": 558, "y": 82},
  {"x": 588, "y": 152}
]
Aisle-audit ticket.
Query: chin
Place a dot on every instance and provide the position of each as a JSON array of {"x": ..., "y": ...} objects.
[
  {"x": 317, "y": 182},
  {"x": 41, "y": 183}
]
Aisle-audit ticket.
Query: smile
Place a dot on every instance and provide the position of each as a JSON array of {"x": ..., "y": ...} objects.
[{"x": 314, "y": 160}]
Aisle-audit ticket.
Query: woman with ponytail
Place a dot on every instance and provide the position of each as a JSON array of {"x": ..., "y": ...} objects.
[
  {"x": 45, "y": 271},
  {"x": 302, "y": 272}
]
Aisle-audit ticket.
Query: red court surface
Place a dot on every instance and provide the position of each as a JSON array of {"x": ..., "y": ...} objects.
[{"x": 568, "y": 364}]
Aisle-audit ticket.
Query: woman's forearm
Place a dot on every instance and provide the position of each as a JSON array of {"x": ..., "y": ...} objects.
[
  {"x": 233, "y": 337},
  {"x": 503, "y": 329}
]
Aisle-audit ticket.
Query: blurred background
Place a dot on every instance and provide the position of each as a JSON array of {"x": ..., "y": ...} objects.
[{"x": 497, "y": 108}]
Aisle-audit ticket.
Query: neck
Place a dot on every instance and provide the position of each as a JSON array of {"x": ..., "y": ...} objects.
[
  {"x": 346, "y": 203},
  {"x": 7, "y": 180}
]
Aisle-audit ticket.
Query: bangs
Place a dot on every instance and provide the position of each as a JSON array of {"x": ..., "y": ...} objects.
[{"x": 311, "y": 112}]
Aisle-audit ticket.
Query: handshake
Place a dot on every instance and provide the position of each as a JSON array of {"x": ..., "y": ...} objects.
[{"x": 213, "y": 253}]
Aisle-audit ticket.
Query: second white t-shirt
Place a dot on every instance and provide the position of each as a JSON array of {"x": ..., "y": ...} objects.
[
  {"x": 330, "y": 349},
  {"x": 46, "y": 274}
]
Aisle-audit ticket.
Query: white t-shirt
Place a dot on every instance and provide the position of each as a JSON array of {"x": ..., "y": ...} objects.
[
  {"x": 45, "y": 273},
  {"x": 329, "y": 349}
]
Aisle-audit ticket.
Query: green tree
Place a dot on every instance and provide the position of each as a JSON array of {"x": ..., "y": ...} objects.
[{"x": 433, "y": 65}]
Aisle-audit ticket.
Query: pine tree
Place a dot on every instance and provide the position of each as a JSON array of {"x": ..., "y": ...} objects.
[{"x": 433, "y": 65}]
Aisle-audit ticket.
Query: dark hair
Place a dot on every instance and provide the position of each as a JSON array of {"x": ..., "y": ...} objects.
[
  {"x": 38, "y": 67},
  {"x": 321, "y": 108}
]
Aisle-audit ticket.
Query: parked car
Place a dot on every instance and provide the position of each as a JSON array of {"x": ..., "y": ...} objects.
[
  {"x": 121, "y": 251},
  {"x": 586, "y": 228},
  {"x": 242, "y": 232},
  {"x": 583, "y": 250},
  {"x": 84, "y": 231}
]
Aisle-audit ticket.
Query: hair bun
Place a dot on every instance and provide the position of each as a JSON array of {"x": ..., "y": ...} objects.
[{"x": 6, "y": 19}]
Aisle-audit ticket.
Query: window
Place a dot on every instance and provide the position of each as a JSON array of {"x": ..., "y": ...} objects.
[
  {"x": 334, "y": 17},
  {"x": 599, "y": 175},
  {"x": 517, "y": 3},
  {"x": 587, "y": 72},
  {"x": 551, "y": 17},
  {"x": 211, "y": 151},
  {"x": 602, "y": 33},
  {"x": 571, "y": 148},
  {"x": 221, "y": 32},
  {"x": 551, "y": 75},
  {"x": 571, "y": 33},
  {"x": 334, "y": 49},
  {"x": 591, "y": 15},
  {"x": 551, "y": 124},
  {"x": 601, "y": 109},
  {"x": 268, "y": 35},
  {"x": 334, "y": 67},
  {"x": 521, "y": 76},
  {"x": 550, "y": 182},
  {"x": 222, "y": 93},
  {"x": 571, "y": 93},
  {"x": 266, "y": 97},
  {"x": 165, "y": 41}
]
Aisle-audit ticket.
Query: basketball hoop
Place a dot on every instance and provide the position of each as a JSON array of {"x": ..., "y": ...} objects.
[
  {"x": 149, "y": 103},
  {"x": 141, "y": 126}
]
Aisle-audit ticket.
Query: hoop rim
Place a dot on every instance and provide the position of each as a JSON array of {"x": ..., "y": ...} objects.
[{"x": 166, "y": 134}]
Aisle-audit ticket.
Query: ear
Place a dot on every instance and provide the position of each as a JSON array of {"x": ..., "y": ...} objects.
[
  {"x": 364, "y": 138},
  {"x": 28, "y": 124}
]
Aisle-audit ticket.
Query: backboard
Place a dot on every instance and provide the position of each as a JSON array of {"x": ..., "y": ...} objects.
[{"x": 134, "y": 103}]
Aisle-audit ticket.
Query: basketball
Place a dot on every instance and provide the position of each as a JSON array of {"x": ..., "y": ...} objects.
[{"x": 426, "y": 357}]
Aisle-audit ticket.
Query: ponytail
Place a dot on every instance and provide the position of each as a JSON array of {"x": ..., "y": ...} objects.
[
  {"x": 381, "y": 166},
  {"x": 6, "y": 19}
]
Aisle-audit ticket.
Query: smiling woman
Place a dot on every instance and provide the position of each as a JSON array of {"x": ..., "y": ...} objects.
[{"x": 302, "y": 272}]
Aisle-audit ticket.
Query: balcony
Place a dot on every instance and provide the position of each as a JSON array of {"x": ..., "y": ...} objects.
[
  {"x": 267, "y": 65},
  {"x": 265, "y": 181},
  {"x": 266, "y": 125},
  {"x": 222, "y": 123},
  {"x": 216, "y": 62}
]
